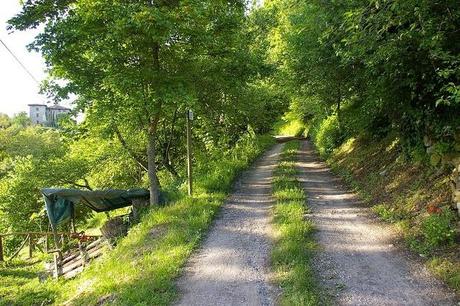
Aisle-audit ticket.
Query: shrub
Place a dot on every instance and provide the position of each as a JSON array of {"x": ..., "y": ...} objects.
[
  {"x": 390, "y": 214},
  {"x": 437, "y": 229},
  {"x": 328, "y": 135},
  {"x": 290, "y": 124},
  {"x": 215, "y": 172}
]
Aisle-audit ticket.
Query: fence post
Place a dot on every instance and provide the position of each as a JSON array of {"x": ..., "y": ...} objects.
[
  {"x": 83, "y": 254},
  {"x": 57, "y": 265},
  {"x": 47, "y": 243}
]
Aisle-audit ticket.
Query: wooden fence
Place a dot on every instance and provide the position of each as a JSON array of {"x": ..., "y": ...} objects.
[
  {"x": 67, "y": 265},
  {"x": 31, "y": 240},
  {"x": 70, "y": 265}
]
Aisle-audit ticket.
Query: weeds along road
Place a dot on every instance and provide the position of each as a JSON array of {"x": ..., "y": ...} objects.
[
  {"x": 357, "y": 261},
  {"x": 231, "y": 267}
]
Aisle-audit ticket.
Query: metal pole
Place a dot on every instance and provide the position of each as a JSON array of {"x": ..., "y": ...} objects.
[
  {"x": 47, "y": 243},
  {"x": 189, "y": 152}
]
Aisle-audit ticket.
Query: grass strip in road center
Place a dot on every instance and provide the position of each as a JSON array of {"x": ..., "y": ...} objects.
[{"x": 294, "y": 243}]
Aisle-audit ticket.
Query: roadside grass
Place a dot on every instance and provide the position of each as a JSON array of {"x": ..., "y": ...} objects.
[
  {"x": 409, "y": 194},
  {"x": 142, "y": 268},
  {"x": 294, "y": 244},
  {"x": 20, "y": 284}
]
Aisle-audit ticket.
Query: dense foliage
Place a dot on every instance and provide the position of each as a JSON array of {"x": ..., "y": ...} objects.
[
  {"x": 377, "y": 65},
  {"x": 136, "y": 67},
  {"x": 35, "y": 157}
]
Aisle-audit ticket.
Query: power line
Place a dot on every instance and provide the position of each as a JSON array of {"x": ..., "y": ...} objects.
[{"x": 20, "y": 63}]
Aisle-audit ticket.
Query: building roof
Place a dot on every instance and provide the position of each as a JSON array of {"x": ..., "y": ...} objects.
[{"x": 59, "y": 107}]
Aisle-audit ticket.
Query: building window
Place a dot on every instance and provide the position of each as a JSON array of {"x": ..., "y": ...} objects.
[
  {"x": 37, "y": 108},
  {"x": 38, "y": 115}
]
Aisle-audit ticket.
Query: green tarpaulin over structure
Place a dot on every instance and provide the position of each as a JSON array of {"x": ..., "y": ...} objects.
[{"x": 60, "y": 203}]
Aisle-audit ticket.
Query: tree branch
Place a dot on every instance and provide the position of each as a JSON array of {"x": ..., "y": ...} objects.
[
  {"x": 135, "y": 156},
  {"x": 86, "y": 185}
]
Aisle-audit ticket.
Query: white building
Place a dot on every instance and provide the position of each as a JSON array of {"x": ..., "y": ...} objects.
[{"x": 46, "y": 115}]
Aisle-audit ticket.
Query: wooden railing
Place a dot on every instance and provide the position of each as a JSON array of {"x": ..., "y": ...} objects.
[
  {"x": 31, "y": 237},
  {"x": 75, "y": 262}
]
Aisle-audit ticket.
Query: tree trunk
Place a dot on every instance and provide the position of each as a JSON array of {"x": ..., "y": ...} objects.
[
  {"x": 152, "y": 170},
  {"x": 151, "y": 150}
]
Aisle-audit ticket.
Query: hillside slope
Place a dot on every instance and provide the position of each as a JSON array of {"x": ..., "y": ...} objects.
[{"x": 413, "y": 196}]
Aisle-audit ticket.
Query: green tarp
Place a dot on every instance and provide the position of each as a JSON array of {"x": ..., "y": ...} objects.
[{"x": 60, "y": 203}]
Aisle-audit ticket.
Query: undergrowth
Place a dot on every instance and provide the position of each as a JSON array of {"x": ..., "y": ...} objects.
[
  {"x": 294, "y": 245},
  {"x": 142, "y": 268}
]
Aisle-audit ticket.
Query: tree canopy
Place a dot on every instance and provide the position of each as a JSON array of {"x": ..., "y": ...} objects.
[
  {"x": 137, "y": 66},
  {"x": 378, "y": 66}
]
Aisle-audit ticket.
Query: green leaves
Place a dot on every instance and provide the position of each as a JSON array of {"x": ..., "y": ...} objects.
[{"x": 372, "y": 63}]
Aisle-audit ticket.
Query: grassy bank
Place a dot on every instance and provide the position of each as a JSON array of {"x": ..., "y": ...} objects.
[
  {"x": 412, "y": 195},
  {"x": 142, "y": 268},
  {"x": 291, "y": 256}
]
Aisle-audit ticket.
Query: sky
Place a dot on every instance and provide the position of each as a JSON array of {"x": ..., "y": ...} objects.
[{"x": 17, "y": 88}]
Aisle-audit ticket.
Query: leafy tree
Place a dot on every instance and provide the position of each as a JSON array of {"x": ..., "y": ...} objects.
[
  {"x": 36, "y": 157},
  {"x": 137, "y": 66},
  {"x": 5, "y": 121},
  {"x": 21, "y": 120},
  {"x": 378, "y": 65}
]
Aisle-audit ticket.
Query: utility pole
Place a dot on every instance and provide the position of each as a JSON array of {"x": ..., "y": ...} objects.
[{"x": 189, "y": 151}]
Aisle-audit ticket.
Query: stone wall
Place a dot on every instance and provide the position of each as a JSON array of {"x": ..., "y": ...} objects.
[{"x": 450, "y": 160}]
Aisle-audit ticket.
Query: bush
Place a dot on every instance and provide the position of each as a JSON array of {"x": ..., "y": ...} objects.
[
  {"x": 390, "y": 214},
  {"x": 328, "y": 135},
  {"x": 290, "y": 125},
  {"x": 437, "y": 229},
  {"x": 216, "y": 172}
]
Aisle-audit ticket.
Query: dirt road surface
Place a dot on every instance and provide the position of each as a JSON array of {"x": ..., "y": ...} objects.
[
  {"x": 231, "y": 267},
  {"x": 357, "y": 262}
]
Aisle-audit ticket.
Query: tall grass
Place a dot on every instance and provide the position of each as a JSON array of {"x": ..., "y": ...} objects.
[{"x": 294, "y": 246}]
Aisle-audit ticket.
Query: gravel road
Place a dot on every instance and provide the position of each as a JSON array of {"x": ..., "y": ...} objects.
[
  {"x": 358, "y": 263},
  {"x": 231, "y": 267}
]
